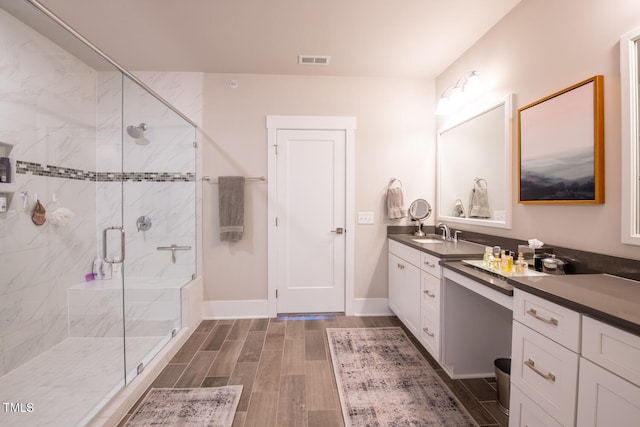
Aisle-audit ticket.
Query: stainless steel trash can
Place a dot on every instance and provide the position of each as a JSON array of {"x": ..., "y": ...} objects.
[{"x": 503, "y": 382}]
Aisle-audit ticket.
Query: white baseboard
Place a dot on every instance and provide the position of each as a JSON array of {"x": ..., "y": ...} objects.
[
  {"x": 256, "y": 309},
  {"x": 249, "y": 309},
  {"x": 371, "y": 307}
]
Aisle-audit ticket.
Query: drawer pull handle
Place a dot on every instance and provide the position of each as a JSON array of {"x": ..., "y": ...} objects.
[
  {"x": 428, "y": 332},
  {"x": 548, "y": 376},
  {"x": 401, "y": 266},
  {"x": 532, "y": 312},
  {"x": 428, "y": 264},
  {"x": 429, "y": 294}
]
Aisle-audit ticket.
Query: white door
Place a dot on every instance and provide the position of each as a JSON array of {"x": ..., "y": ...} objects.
[{"x": 310, "y": 221}]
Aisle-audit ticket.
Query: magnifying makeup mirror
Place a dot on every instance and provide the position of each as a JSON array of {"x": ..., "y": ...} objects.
[{"x": 419, "y": 210}]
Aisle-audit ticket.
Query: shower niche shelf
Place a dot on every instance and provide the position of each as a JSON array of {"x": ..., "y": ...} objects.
[{"x": 7, "y": 189}]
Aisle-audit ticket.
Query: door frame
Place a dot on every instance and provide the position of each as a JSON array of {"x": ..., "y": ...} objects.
[{"x": 346, "y": 124}]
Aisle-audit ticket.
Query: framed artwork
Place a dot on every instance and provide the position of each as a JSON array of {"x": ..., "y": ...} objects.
[{"x": 561, "y": 146}]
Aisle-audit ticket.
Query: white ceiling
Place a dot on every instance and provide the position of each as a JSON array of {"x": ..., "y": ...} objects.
[{"x": 377, "y": 38}]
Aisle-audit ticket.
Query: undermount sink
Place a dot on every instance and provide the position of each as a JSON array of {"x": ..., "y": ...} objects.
[{"x": 428, "y": 240}]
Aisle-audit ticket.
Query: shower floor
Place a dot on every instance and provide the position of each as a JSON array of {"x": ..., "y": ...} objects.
[{"x": 67, "y": 384}]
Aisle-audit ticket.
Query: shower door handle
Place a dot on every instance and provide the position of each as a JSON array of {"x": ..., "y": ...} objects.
[{"x": 104, "y": 245}]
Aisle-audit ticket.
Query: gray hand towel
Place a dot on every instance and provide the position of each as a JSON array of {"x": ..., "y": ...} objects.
[{"x": 231, "y": 207}]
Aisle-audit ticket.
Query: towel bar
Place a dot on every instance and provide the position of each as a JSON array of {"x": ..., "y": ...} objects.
[{"x": 250, "y": 178}]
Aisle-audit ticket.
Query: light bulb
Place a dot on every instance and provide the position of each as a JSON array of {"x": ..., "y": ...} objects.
[
  {"x": 444, "y": 106},
  {"x": 473, "y": 84}
]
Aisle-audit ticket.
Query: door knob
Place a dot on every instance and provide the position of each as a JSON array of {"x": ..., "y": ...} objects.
[{"x": 338, "y": 230}]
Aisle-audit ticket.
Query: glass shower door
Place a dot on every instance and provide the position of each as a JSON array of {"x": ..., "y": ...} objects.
[{"x": 158, "y": 213}]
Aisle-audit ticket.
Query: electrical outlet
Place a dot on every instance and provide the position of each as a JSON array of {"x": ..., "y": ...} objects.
[{"x": 365, "y": 217}]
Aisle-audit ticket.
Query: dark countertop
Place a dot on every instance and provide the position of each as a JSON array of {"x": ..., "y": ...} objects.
[
  {"x": 445, "y": 250},
  {"x": 611, "y": 299}
]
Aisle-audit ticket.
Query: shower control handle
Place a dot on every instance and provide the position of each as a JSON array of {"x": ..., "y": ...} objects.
[{"x": 104, "y": 245}]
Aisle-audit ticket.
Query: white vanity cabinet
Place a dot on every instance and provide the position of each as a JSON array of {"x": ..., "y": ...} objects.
[
  {"x": 430, "y": 304},
  {"x": 544, "y": 361},
  {"x": 404, "y": 284},
  {"x": 609, "y": 385}
]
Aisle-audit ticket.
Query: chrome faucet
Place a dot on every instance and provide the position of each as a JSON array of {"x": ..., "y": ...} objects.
[{"x": 446, "y": 234}]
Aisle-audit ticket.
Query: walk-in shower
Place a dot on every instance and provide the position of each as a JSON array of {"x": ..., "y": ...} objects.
[{"x": 85, "y": 303}]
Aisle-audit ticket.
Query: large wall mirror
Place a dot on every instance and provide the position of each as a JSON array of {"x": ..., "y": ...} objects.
[
  {"x": 630, "y": 95},
  {"x": 474, "y": 166}
]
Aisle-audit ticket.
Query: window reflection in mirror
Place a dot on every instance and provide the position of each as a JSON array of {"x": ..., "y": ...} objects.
[
  {"x": 630, "y": 96},
  {"x": 474, "y": 167}
]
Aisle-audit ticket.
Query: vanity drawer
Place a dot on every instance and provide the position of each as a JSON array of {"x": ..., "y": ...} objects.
[
  {"x": 546, "y": 372},
  {"x": 551, "y": 320},
  {"x": 430, "y": 296},
  {"x": 611, "y": 348},
  {"x": 412, "y": 256},
  {"x": 430, "y": 264},
  {"x": 429, "y": 336}
]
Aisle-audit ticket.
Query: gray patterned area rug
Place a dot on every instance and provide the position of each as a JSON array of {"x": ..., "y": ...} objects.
[
  {"x": 187, "y": 407},
  {"x": 384, "y": 381}
]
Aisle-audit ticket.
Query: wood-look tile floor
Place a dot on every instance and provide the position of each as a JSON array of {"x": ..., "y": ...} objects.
[{"x": 285, "y": 367}]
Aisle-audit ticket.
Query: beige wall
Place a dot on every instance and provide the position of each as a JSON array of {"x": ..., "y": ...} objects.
[
  {"x": 541, "y": 47},
  {"x": 394, "y": 137}
]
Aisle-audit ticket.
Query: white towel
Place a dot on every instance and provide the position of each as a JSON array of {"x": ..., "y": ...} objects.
[{"x": 395, "y": 203}]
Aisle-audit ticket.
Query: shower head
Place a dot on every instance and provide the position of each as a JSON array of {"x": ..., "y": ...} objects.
[{"x": 137, "y": 133}]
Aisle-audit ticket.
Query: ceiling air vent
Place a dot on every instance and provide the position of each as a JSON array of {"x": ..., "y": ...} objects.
[{"x": 313, "y": 60}]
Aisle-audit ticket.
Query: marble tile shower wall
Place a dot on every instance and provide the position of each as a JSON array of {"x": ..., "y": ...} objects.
[
  {"x": 48, "y": 114},
  {"x": 159, "y": 180}
]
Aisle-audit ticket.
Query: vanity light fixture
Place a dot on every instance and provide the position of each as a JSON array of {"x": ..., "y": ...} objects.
[{"x": 454, "y": 96}]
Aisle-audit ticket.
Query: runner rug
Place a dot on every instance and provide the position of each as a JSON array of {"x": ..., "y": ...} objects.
[
  {"x": 384, "y": 381},
  {"x": 187, "y": 407}
]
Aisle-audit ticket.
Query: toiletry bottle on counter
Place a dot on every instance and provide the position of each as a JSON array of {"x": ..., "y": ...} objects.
[
  {"x": 487, "y": 259},
  {"x": 521, "y": 264},
  {"x": 507, "y": 262}
]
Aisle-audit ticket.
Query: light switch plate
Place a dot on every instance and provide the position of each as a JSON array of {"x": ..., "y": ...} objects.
[{"x": 365, "y": 217}]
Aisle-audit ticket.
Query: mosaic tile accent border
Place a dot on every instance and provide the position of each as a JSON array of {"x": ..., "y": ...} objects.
[{"x": 38, "y": 169}]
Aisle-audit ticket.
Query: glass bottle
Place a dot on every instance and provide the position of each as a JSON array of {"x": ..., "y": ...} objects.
[
  {"x": 521, "y": 264},
  {"x": 487, "y": 259}
]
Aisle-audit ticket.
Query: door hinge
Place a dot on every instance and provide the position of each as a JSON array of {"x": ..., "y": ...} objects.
[
  {"x": 276, "y": 221},
  {"x": 195, "y": 144},
  {"x": 276, "y": 294},
  {"x": 275, "y": 146}
]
